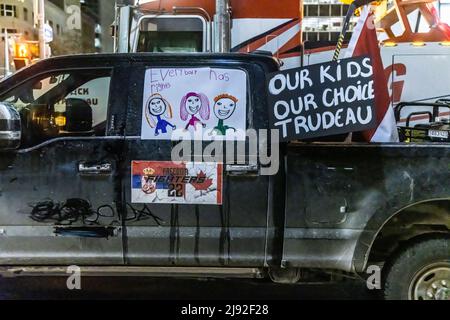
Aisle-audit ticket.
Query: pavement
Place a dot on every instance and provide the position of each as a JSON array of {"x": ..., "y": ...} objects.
[{"x": 92, "y": 288}]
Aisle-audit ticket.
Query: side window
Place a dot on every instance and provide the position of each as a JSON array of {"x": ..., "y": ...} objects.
[
  {"x": 171, "y": 34},
  {"x": 68, "y": 103}
]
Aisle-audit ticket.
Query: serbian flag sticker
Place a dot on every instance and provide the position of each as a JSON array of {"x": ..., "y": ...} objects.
[{"x": 178, "y": 183}]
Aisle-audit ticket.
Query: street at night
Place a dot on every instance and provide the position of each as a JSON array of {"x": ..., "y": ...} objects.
[{"x": 179, "y": 289}]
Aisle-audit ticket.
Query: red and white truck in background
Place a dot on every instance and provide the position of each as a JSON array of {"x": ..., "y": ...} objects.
[
  {"x": 415, "y": 45},
  {"x": 212, "y": 26}
]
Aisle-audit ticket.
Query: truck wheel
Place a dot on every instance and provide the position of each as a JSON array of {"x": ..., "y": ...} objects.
[{"x": 421, "y": 271}]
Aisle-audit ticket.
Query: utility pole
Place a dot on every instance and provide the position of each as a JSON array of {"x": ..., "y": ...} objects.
[
  {"x": 41, "y": 23},
  {"x": 124, "y": 25},
  {"x": 6, "y": 53},
  {"x": 222, "y": 21}
]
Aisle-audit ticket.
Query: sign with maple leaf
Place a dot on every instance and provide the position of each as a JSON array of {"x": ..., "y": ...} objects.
[
  {"x": 181, "y": 183},
  {"x": 205, "y": 184}
]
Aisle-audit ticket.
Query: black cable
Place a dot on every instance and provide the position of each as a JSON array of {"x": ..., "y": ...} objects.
[{"x": 69, "y": 212}]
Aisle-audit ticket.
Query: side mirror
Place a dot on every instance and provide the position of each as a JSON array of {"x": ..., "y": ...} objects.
[{"x": 10, "y": 127}]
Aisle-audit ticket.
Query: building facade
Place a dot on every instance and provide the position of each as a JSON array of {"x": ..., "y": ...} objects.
[
  {"x": 322, "y": 22},
  {"x": 79, "y": 26}
]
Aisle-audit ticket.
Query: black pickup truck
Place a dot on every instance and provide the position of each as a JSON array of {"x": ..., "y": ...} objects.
[{"x": 76, "y": 170}]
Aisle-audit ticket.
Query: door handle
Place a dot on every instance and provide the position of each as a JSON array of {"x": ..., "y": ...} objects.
[
  {"x": 242, "y": 169},
  {"x": 95, "y": 168}
]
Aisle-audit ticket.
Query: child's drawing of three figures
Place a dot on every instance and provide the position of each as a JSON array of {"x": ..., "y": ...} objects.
[{"x": 194, "y": 108}]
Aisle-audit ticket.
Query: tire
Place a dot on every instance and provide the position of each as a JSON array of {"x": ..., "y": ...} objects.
[{"x": 420, "y": 271}]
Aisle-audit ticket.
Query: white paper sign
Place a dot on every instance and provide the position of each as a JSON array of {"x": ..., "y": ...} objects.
[
  {"x": 48, "y": 33},
  {"x": 208, "y": 103}
]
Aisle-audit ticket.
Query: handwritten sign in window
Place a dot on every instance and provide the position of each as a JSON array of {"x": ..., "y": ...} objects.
[{"x": 209, "y": 103}]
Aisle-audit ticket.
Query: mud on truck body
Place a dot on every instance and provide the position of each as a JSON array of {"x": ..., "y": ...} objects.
[{"x": 67, "y": 184}]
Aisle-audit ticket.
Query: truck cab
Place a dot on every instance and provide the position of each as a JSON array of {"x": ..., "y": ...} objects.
[
  {"x": 87, "y": 178},
  {"x": 194, "y": 26},
  {"x": 66, "y": 189}
]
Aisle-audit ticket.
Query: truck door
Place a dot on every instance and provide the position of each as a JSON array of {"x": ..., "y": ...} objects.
[
  {"x": 58, "y": 192},
  {"x": 219, "y": 221},
  {"x": 330, "y": 191}
]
